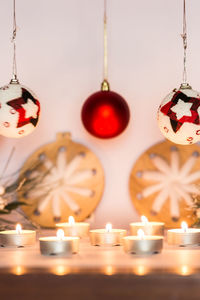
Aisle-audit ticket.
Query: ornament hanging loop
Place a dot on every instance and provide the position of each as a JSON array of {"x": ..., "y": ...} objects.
[
  {"x": 105, "y": 84},
  {"x": 14, "y": 79},
  {"x": 184, "y": 37}
]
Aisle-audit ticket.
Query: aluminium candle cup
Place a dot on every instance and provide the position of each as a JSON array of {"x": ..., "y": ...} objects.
[
  {"x": 100, "y": 237},
  {"x": 55, "y": 246},
  {"x": 180, "y": 238},
  {"x": 80, "y": 229},
  {"x": 10, "y": 238},
  {"x": 147, "y": 245},
  {"x": 150, "y": 228}
]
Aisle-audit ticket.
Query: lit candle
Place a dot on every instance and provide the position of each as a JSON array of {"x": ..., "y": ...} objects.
[
  {"x": 149, "y": 228},
  {"x": 17, "y": 237},
  {"x": 142, "y": 244},
  {"x": 107, "y": 236},
  {"x": 59, "y": 244},
  {"x": 72, "y": 228},
  {"x": 183, "y": 236}
]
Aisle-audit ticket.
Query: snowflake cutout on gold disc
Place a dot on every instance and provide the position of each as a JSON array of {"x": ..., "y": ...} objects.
[
  {"x": 61, "y": 180},
  {"x": 171, "y": 181}
]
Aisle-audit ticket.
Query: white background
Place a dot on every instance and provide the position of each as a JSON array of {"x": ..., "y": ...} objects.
[{"x": 60, "y": 57}]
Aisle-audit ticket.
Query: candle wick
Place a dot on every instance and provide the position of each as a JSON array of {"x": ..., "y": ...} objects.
[
  {"x": 184, "y": 226},
  {"x": 71, "y": 220},
  {"x": 144, "y": 220},
  {"x": 108, "y": 227},
  {"x": 141, "y": 234},
  {"x": 60, "y": 234},
  {"x": 18, "y": 229}
]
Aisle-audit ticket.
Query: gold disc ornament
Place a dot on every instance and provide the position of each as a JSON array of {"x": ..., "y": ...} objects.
[
  {"x": 63, "y": 179},
  {"x": 163, "y": 182}
]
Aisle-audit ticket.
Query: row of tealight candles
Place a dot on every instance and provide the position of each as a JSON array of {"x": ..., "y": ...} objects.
[{"x": 146, "y": 237}]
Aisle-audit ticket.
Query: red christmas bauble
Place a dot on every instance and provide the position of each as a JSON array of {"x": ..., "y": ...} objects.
[{"x": 105, "y": 114}]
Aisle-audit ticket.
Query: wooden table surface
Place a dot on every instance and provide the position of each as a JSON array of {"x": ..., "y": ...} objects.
[{"x": 100, "y": 272}]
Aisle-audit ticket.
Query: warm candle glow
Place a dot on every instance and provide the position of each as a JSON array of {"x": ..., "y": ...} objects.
[
  {"x": 140, "y": 270},
  {"x": 140, "y": 234},
  {"x": 60, "y": 234},
  {"x": 144, "y": 219},
  {"x": 60, "y": 270},
  {"x": 71, "y": 220},
  {"x": 108, "y": 227},
  {"x": 184, "y": 226},
  {"x": 18, "y": 270},
  {"x": 18, "y": 228},
  {"x": 184, "y": 270},
  {"x": 109, "y": 270}
]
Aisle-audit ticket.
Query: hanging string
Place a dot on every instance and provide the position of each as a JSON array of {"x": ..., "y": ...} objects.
[
  {"x": 184, "y": 37},
  {"x": 105, "y": 55},
  {"x": 14, "y": 68}
]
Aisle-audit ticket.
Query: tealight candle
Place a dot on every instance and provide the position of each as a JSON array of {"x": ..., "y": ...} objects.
[
  {"x": 59, "y": 244},
  {"x": 17, "y": 237},
  {"x": 72, "y": 228},
  {"x": 142, "y": 244},
  {"x": 183, "y": 236},
  {"x": 149, "y": 228},
  {"x": 107, "y": 236}
]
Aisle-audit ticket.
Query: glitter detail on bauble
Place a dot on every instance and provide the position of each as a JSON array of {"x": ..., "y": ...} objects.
[
  {"x": 19, "y": 111},
  {"x": 179, "y": 116},
  {"x": 105, "y": 114}
]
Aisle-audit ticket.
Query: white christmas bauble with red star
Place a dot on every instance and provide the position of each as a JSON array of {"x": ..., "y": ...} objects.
[
  {"x": 19, "y": 111},
  {"x": 179, "y": 116}
]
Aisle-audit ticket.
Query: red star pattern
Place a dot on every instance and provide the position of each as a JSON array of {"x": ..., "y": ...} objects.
[
  {"x": 17, "y": 103},
  {"x": 175, "y": 123}
]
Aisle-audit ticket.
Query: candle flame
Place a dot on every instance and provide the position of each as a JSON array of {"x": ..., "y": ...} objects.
[
  {"x": 108, "y": 227},
  {"x": 18, "y": 228},
  {"x": 144, "y": 219},
  {"x": 60, "y": 234},
  {"x": 140, "y": 234},
  {"x": 184, "y": 226},
  {"x": 71, "y": 220}
]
